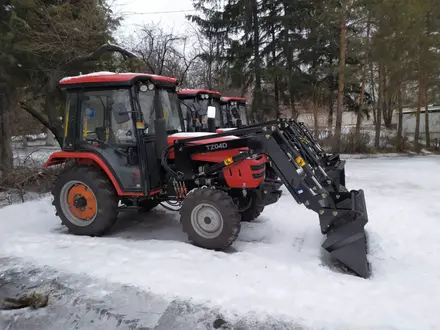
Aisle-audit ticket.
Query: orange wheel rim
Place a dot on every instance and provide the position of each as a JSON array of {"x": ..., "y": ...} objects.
[{"x": 82, "y": 202}]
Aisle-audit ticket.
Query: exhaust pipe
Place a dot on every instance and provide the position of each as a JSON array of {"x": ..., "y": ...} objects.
[{"x": 344, "y": 226}]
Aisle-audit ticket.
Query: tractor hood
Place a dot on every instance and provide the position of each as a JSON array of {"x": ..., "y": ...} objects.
[
  {"x": 188, "y": 135},
  {"x": 212, "y": 157}
]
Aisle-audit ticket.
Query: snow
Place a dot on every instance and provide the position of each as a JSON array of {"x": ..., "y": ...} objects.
[
  {"x": 100, "y": 73},
  {"x": 196, "y": 134},
  {"x": 220, "y": 130},
  {"x": 192, "y": 134},
  {"x": 275, "y": 266}
]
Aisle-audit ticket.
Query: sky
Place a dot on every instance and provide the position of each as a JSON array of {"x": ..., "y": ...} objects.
[{"x": 170, "y": 14}]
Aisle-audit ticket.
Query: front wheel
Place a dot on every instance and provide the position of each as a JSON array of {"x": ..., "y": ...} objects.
[
  {"x": 210, "y": 218},
  {"x": 85, "y": 200}
]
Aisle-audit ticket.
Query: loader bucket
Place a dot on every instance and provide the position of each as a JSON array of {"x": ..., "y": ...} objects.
[{"x": 344, "y": 227}]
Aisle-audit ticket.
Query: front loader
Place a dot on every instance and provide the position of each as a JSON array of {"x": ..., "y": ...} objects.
[{"x": 127, "y": 148}]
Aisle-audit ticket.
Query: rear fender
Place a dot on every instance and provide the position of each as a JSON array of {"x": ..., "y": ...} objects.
[{"x": 91, "y": 159}]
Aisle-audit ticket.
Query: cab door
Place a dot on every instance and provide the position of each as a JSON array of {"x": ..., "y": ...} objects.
[{"x": 107, "y": 129}]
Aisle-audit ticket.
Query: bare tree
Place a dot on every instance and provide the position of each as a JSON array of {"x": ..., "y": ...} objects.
[{"x": 164, "y": 53}]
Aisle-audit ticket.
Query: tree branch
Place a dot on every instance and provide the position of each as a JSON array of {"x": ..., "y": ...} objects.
[
  {"x": 56, "y": 131},
  {"x": 106, "y": 48},
  {"x": 182, "y": 77}
]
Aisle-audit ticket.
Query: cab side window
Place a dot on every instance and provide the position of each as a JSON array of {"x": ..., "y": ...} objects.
[{"x": 106, "y": 117}]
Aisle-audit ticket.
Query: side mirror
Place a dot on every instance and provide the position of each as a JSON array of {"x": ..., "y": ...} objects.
[
  {"x": 120, "y": 113},
  {"x": 211, "y": 112}
]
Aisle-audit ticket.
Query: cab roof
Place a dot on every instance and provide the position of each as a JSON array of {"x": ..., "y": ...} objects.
[
  {"x": 233, "y": 98},
  {"x": 194, "y": 92},
  {"x": 106, "y": 78}
]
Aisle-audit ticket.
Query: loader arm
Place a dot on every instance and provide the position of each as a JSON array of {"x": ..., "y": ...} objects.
[{"x": 342, "y": 214}]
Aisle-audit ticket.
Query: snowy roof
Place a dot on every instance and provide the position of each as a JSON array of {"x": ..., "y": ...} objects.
[
  {"x": 233, "y": 98},
  {"x": 198, "y": 91},
  {"x": 197, "y": 134},
  {"x": 106, "y": 76}
]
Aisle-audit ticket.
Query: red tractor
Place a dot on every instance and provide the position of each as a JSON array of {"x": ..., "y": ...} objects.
[
  {"x": 230, "y": 112},
  {"x": 125, "y": 146},
  {"x": 235, "y": 112},
  {"x": 195, "y": 103}
]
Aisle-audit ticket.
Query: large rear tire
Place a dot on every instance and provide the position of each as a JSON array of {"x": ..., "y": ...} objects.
[
  {"x": 86, "y": 201},
  {"x": 210, "y": 218}
]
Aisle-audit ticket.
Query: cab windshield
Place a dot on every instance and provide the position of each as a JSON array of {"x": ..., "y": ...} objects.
[
  {"x": 201, "y": 109},
  {"x": 243, "y": 115},
  {"x": 168, "y": 102},
  {"x": 227, "y": 119}
]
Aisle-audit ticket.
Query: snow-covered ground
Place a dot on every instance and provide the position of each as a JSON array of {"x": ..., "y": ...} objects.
[{"x": 274, "y": 268}]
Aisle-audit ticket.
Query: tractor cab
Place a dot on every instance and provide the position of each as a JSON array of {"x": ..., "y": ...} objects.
[
  {"x": 121, "y": 119},
  {"x": 194, "y": 105},
  {"x": 235, "y": 111}
]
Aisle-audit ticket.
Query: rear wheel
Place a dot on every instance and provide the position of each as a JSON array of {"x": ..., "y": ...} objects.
[
  {"x": 85, "y": 200},
  {"x": 210, "y": 218}
]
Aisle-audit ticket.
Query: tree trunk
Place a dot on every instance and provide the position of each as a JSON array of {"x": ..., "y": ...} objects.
[
  {"x": 373, "y": 91},
  {"x": 315, "y": 120},
  {"x": 277, "y": 98},
  {"x": 387, "y": 109},
  {"x": 330, "y": 114},
  {"x": 341, "y": 76},
  {"x": 360, "y": 111},
  {"x": 400, "y": 127},
  {"x": 257, "y": 99},
  {"x": 427, "y": 135},
  {"x": 6, "y": 155},
  {"x": 419, "y": 106},
  {"x": 364, "y": 82},
  {"x": 379, "y": 108},
  {"x": 316, "y": 99},
  {"x": 275, "y": 84},
  {"x": 51, "y": 108}
]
